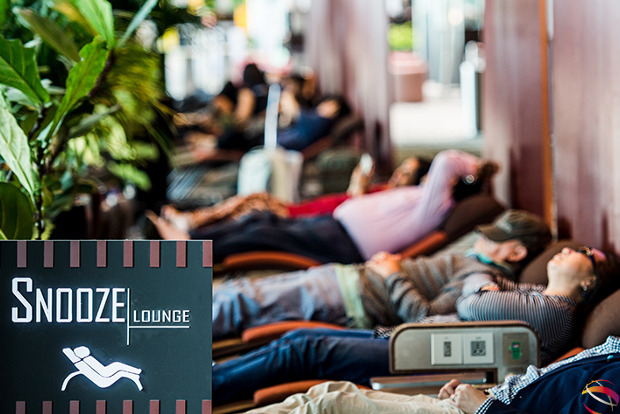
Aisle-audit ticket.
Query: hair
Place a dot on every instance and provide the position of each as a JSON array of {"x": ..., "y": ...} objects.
[
  {"x": 343, "y": 107},
  {"x": 607, "y": 280},
  {"x": 424, "y": 165},
  {"x": 229, "y": 91},
  {"x": 252, "y": 75},
  {"x": 477, "y": 184}
]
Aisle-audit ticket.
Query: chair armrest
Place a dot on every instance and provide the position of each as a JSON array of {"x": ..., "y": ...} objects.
[
  {"x": 266, "y": 259},
  {"x": 569, "y": 354},
  {"x": 317, "y": 147},
  {"x": 255, "y": 337},
  {"x": 427, "y": 245},
  {"x": 268, "y": 332}
]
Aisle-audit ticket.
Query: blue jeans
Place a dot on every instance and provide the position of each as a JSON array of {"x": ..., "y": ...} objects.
[
  {"x": 312, "y": 294},
  {"x": 352, "y": 355}
]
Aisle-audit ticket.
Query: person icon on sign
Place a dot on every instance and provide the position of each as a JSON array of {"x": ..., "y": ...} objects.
[{"x": 101, "y": 375}]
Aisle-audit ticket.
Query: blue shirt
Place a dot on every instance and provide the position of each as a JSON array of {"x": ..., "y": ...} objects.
[
  {"x": 513, "y": 388},
  {"x": 307, "y": 129}
]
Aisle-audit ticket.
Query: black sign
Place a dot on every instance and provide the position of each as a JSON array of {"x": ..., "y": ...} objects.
[{"x": 105, "y": 327}]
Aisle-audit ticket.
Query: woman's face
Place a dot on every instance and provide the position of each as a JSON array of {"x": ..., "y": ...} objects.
[
  {"x": 573, "y": 264},
  {"x": 328, "y": 108},
  {"x": 404, "y": 174}
]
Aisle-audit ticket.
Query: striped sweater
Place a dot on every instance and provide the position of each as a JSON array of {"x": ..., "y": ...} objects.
[
  {"x": 553, "y": 317},
  {"x": 426, "y": 286}
]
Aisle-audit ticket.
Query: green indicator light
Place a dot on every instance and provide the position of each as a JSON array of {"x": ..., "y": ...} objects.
[{"x": 515, "y": 350}]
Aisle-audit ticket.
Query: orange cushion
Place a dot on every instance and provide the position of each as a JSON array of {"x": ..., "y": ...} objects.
[
  {"x": 427, "y": 245},
  {"x": 274, "y": 330},
  {"x": 569, "y": 354},
  {"x": 258, "y": 259}
]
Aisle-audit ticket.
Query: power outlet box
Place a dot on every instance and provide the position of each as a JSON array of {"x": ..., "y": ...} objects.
[
  {"x": 446, "y": 349},
  {"x": 478, "y": 348}
]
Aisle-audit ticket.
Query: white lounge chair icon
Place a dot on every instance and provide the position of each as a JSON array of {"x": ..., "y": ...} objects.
[{"x": 101, "y": 375}]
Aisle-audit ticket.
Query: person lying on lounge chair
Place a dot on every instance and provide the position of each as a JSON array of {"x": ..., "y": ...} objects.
[
  {"x": 410, "y": 172},
  {"x": 585, "y": 382},
  {"x": 385, "y": 290},
  {"x": 360, "y": 227}
]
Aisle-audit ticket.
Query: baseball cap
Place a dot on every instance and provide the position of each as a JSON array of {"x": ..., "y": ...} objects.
[{"x": 521, "y": 225}]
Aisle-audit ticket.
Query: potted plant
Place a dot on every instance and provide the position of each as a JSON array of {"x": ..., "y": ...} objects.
[{"x": 76, "y": 89}]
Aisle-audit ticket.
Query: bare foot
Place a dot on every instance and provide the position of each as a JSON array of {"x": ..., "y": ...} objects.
[
  {"x": 179, "y": 219},
  {"x": 166, "y": 230},
  {"x": 201, "y": 145}
]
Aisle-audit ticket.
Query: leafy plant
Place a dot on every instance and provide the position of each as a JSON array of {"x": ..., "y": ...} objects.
[
  {"x": 99, "y": 95},
  {"x": 15, "y": 213},
  {"x": 400, "y": 36}
]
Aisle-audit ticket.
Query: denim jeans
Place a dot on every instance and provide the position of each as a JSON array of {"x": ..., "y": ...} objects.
[
  {"x": 352, "y": 355},
  {"x": 311, "y": 294}
]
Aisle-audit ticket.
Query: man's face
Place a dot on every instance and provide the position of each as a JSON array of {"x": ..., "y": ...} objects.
[{"x": 498, "y": 251}]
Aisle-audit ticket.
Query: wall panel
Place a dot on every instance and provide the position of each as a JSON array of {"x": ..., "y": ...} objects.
[
  {"x": 515, "y": 109},
  {"x": 348, "y": 50},
  {"x": 586, "y": 107}
]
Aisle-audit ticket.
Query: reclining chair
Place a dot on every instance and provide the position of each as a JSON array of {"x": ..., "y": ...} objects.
[
  {"x": 196, "y": 162},
  {"x": 515, "y": 345},
  {"x": 466, "y": 215}
]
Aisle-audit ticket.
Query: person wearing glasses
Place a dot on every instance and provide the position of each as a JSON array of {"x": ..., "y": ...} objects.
[
  {"x": 574, "y": 281},
  {"x": 577, "y": 279}
]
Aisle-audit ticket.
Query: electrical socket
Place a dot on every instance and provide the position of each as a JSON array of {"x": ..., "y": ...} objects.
[
  {"x": 446, "y": 349},
  {"x": 478, "y": 348}
]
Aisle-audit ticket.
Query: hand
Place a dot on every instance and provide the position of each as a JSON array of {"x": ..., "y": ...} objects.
[
  {"x": 490, "y": 287},
  {"x": 385, "y": 264},
  {"x": 467, "y": 398},
  {"x": 360, "y": 182},
  {"x": 448, "y": 389}
]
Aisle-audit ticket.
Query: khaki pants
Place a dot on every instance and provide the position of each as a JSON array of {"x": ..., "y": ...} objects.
[{"x": 345, "y": 398}]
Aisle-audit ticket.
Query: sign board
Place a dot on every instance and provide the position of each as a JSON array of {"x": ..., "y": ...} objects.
[{"x": 105, "y": 326}]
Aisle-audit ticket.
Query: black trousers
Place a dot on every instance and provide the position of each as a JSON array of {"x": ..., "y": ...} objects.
[{"x": 321, "y": 238}]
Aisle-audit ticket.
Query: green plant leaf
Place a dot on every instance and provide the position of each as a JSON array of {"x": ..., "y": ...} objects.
[
  {"x": 51, "y": 33},
  {"x": 71, "y": 12},
  {"x": 15, "y": 151},
  {"x": 16, "y": 218},
  {"x": 99, "y": 14},
  {"x": 138, "y": 18},
  {"x": 89, "y": 122},
  {"x": 130, "y": 173},
  {"x": 18, "y": 69},
  {"x": 4, "y": 8},
  {"x": 82, "y": 78}
]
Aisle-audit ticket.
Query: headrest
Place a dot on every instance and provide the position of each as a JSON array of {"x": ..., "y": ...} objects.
[
  {"x": 473, "y": 210},
  {"x": 345, "y": 127},
  {"x": 603, "y": 320},
  {"x": 536, "y": 271}
]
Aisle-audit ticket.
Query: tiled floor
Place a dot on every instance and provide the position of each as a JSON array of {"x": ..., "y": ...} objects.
[{"x": 436, "y": 123}]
